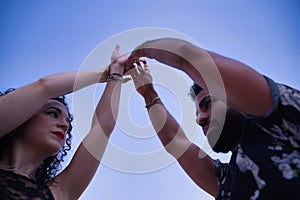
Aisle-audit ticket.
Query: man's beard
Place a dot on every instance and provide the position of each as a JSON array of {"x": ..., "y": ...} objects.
[{"x": 230, "y": 134}]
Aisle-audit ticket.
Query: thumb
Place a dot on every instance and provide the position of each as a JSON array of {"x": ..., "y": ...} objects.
[
  {"x": 115, "y": 53},
  {"x": 117, "y": 47}
]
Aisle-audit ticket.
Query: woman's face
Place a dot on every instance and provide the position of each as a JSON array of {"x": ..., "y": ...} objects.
[{"x": 46, "y": 130}]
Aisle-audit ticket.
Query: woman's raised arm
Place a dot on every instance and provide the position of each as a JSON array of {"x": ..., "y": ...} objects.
[{"x": 19, "y": 105}]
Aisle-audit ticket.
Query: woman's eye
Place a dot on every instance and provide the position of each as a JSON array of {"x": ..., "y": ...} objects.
[{"x": 53, "y": 113}]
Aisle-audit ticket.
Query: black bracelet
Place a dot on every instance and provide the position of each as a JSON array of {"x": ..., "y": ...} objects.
[
  {"x": 152, "y": 102},
  {"x": 115, "y": 77}
]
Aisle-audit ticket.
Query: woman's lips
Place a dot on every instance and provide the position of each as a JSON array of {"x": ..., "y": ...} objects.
[{"x": 59, "y": 134}]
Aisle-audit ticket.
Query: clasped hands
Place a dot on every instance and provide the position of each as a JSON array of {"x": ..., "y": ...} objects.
[{"x": 131, "y": 67}]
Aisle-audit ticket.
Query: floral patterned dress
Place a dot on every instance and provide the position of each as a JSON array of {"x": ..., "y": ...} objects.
[{"x": 266, "y": 164}]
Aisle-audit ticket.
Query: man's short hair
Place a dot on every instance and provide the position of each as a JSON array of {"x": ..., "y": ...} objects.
[{"x": 194, "y": 91}]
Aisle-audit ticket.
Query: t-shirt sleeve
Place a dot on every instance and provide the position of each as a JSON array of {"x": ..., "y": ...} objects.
[{"x": 275, "y": 96}]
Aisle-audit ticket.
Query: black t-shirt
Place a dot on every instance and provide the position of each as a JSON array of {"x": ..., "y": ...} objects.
[{"x": 17, "y": 187}]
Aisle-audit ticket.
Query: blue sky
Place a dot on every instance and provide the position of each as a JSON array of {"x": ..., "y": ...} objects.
[{"x": 39, "y": 38}]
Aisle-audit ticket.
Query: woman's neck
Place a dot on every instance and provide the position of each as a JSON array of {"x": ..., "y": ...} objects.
[
  {"x": 20, "y": 161},
  {"x": 17, "y": 170}
]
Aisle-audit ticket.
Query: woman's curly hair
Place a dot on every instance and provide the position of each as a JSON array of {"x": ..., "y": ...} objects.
[{"x": 50, "y": 165}]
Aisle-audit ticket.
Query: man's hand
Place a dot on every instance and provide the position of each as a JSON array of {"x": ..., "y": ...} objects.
[{"x": 141, "y": 77}]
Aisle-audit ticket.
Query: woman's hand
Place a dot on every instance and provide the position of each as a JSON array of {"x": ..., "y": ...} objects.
[{"x": 118, "y": 61}]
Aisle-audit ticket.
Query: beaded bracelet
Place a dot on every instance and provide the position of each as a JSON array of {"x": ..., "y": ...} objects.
[
  {"x": 152, "y": 102},
  {"x": 115, "y": 77}
]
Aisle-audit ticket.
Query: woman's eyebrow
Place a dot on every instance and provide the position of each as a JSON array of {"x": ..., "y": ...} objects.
[
  {"x": 55, "y": 108},
  {"x": 61, "y": 112}
]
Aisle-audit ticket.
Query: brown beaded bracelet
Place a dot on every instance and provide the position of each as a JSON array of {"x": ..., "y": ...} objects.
[{"x": 152, "y": 102}]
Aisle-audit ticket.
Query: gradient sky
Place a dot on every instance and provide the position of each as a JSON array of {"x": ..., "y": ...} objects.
[{"x": 39, "y": 38}]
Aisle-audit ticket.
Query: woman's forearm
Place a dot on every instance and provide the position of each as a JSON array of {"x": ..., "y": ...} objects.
[{"x": 31, "y": 97}]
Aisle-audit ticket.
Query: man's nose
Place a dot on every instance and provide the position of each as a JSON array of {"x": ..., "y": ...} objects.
[{"x": 202, "y": 118}]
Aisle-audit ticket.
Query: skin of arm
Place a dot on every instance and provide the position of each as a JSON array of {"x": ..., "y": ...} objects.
[
  {"x": 75, "y": 178},
  {"x": 20, "y": 105},
  {"x": 199, "y": 169},
  {"x": 246, "y": 90},
  {"x": 35, "y": 95}
]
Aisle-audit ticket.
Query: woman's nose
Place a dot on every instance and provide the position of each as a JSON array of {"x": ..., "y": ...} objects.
[{"x": 63, "y": 124}]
